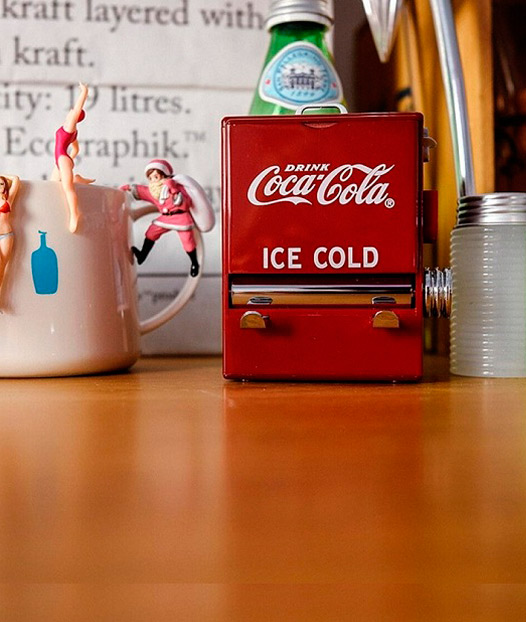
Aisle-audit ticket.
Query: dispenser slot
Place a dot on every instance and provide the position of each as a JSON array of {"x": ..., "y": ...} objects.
[{"x": 379, "y": 294}]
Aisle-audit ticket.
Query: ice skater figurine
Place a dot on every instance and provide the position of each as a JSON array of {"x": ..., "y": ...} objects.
[
  {"x": 65, "y": 137},
  {"x": 183, "y": 206},
  {"x": 9, "y": 186}
]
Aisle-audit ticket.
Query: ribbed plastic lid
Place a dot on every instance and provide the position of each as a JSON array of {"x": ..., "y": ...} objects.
[
  {"x": 496, "y": 208},
  {"x": 282, "y": 11}
]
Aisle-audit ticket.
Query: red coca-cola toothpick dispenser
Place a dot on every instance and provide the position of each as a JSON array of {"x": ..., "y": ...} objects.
[{"x": 322, "y": 247}]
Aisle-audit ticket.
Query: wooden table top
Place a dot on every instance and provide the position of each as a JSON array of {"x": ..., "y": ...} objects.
[{"x": 113, "y": 489}]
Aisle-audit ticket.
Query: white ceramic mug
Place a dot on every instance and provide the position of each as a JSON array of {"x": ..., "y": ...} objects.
[{"x": 69, "y": 301}]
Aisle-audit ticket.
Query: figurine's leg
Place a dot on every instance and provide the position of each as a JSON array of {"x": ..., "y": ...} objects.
[
  {"x": 194, "y": 268},
  {"x": 6, "y": 248},
  {"x": 144, "y": 252},
  {"x": 55, "y": 175},
  {"x": 65, "y": 165},
  {"x": 78, "y": 179},
  {"x": 188, "y": 242},
  {"x": 3, "y": 266},
  {"x": 153, "y": 233}
]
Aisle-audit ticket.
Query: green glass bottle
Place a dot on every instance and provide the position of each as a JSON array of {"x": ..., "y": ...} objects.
[{"x": 298, "y": 69}]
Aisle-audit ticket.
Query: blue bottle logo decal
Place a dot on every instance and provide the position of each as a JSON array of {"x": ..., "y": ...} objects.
[
  {"x": 44, "y": 267},
  {"x": 299, "y": 75}
]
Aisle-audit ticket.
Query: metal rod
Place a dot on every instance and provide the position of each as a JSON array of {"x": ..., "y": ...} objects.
[{"x": 453, "y": 79}]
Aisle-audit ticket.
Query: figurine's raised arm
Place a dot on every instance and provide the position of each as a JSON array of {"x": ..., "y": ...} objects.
[
  {"x": 65, "y": 137},
  {"x": 14, "y": 187}
]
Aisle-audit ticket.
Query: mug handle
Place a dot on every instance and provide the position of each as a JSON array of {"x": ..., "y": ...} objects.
[{"x": 185, "y": 293}]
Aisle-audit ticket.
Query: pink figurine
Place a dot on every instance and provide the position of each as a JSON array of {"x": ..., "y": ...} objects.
[
  {"x": 65, "y": 137},
  {"x": 181, "y": 202},
  {"x": 9, "y": 186}
]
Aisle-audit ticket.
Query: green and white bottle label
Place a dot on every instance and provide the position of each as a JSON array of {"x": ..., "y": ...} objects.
[{"x": 299, "y": 75}]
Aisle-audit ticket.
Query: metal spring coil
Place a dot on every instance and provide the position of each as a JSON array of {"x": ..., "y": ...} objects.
[{"x": 437, "y": 292}]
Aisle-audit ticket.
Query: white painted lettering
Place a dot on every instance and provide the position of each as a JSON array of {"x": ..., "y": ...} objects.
[
  {"x": 370, "y": 257},
  {"x": 294, "y": 256},
  {"x": 278, "y": 265},
  {"x": 321, "y": 265},
  {"x": 336, "y": 257},
  {"x": 352, "y": 264},
  {"x": 346, "y": 183}
]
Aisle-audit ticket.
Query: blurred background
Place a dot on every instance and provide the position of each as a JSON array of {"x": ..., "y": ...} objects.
[{"x": 162, "y": 81}]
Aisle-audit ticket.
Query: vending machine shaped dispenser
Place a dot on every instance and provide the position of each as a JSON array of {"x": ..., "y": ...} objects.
[{"x": 323, "y": 231}]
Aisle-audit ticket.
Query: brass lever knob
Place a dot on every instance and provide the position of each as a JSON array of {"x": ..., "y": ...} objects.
[
  {"x": 253, "y": 319},
  {"x": 386, "y": 319}
]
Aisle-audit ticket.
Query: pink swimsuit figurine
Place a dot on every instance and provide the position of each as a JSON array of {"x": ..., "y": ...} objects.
[
  {"x": 179, "y": 201},
  {"x": 65, "y": 137},
  {"x": 9, "y": 186}
]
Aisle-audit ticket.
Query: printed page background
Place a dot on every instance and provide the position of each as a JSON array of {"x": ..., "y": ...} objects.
[{"x": 161, "y": 77}]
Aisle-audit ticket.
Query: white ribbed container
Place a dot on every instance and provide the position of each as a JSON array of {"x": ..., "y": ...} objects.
[{"x": 488, "y": 264}]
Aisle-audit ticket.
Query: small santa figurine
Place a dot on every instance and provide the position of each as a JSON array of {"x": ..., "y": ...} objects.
[{"x": 174, "y": 198}]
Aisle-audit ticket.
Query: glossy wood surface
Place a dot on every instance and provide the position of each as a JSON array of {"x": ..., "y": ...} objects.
[{"x": 167, "y": 493}]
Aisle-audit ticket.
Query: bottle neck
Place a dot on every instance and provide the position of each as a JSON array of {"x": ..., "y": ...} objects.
[
  {"x": 297, "y": 30},
  {"x": 289, "y": 32}
]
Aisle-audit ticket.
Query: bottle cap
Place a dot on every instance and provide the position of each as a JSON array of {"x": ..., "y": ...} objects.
[
  {"x": 282, "y": 11},
  {"x": 495, "y": 208}
]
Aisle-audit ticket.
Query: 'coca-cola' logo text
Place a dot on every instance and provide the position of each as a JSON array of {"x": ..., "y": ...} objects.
[{"x": 349, "y": 182}]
